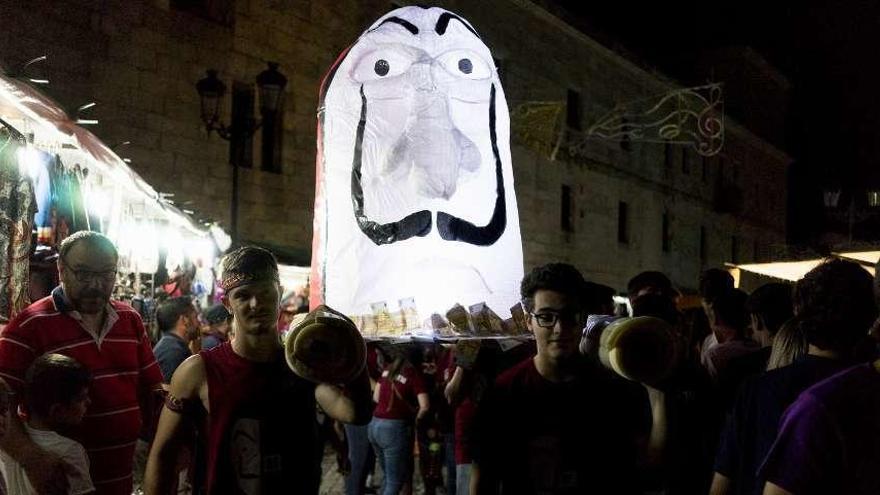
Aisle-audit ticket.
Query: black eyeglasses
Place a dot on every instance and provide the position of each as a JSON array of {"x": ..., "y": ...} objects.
[
  {"x": 84, "y": 276},
  {"x": 549, "y": 320}
]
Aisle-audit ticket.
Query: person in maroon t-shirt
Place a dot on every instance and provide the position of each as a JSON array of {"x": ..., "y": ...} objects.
[
  {"x": 431, "y": 433},
  {"x": 401, "y": 399},
  {"x": 464, "y": 389},
  {"x": 554, "y": 424},
  {"x": 361, "y": 457},
  {"x": 445, "y": 413},
  {"x": 260, "y": 433}
]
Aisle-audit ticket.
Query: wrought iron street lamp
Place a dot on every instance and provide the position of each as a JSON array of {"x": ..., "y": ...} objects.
[
  {"x": 211, "y": 91},
  {"x": 854, "y": 215},
  {"x": 270, "y": 85}
]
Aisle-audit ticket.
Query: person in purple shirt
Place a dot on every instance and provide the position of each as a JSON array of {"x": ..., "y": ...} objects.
[
  {"x": 829, "y": 441},
  {"x": 835, "y": 306}
]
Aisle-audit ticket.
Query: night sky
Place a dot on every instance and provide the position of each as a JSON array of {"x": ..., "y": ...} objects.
[{"x": 828, "y": 50}]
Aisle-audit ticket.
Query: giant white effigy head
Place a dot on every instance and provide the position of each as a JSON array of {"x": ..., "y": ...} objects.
[{"x": 414, "y": 184}]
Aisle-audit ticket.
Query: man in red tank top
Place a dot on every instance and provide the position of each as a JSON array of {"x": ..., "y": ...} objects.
[{"x": 260, "y": 429}]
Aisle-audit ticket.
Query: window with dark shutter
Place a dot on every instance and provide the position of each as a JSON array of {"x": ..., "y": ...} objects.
[
  {"x": 573, "y": 110},
  {"x": 567, "y": 210},
  {"x": 668, "y": 159},
  {"x": 704, "y": 246},
  {"x": 219, "y": 11},
  {"x": 622, "y": 223},
  {"x": 665, "y": 241},
  {"x": 734, "y": 249},
  {"x": 241, "y": 146},
  {"x": 273, "y": 139}
]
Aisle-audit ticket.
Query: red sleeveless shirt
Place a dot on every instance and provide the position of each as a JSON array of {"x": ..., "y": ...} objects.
[{"x": 261, "y": 433}]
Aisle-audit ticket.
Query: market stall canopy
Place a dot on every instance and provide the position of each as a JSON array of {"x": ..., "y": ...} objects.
[
  {"x": 293, "y": 278},
  {"x": 795, "y": 270},
  {"x": 869, "y": 257},
  {"x": 32, "y": 112},
  {"x": 783, "y": 270},
  {"x": 27, "y": 107}
]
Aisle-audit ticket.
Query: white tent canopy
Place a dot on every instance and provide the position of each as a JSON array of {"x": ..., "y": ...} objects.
[
  {"x": 131, "y": 213},
  {"x": 293, "y": 277},
  {"x": 869, "y": 257},
  {"x": 795, "y": 270},
  {"x": 33, "y": 113}
]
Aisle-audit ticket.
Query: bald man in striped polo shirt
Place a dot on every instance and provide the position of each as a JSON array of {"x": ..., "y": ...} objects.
[{"x": 79, "y": 320}]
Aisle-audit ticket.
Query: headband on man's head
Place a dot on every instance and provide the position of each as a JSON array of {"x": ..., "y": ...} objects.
[
  {"x": 237, "y": 279},
  {"x": 247, "y": 265}
]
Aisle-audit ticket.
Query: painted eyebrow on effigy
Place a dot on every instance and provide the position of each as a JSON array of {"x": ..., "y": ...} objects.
[
  {"x": 443, "y": 23},
  {"x": 400, "y": 22}
]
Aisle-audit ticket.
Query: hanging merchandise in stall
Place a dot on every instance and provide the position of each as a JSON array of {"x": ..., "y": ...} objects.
[
  {"x": 60, "y": 209},
  {"x": 416, "y": 222},
  {"x": 60, "y": 204},
  {"x": 17, "y": 207},
  {"x": 73, "y": 181}
]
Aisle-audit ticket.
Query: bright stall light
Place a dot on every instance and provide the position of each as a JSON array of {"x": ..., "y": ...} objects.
[
  {"x": 174, "y": 245},
  {"x": 138, "y": 243},
  {"x": 29, "y": 162},
  {"x": 113, "y": 225},
  {"x": 200, "y": 249},
  {"x": 145, "y": 249},
  {"x": 783, "y": 270},
  {"x": 99, "y": 203},
  {"x": 221, "y": 238},
  {"x": 862, "y": 256}
]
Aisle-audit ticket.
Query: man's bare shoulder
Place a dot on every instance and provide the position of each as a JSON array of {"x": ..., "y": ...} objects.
[{"x": 190, "y": 379}]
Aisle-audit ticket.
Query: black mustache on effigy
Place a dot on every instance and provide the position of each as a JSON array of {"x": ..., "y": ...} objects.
[{"x": 450, "y": 227}]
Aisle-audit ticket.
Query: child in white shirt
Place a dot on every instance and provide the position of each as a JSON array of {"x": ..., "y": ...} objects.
[{"x": 56, "y": 397}]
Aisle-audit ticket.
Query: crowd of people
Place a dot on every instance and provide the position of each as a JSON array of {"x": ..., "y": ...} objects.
[{"x": 772, "y": 392}]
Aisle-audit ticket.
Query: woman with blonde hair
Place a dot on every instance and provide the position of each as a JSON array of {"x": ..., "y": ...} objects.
[{"x": 789, "y": 343}]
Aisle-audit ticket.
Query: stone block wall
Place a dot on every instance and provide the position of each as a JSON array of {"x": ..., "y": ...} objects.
[{"x": 140, "y": 60}]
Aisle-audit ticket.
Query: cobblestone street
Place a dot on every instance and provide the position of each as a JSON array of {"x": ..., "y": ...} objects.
[{"x": 333, "y": 483}]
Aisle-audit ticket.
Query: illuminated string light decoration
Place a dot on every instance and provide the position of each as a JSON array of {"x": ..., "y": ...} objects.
[
  {"x": 691, "y": 117},
  {"x": 538, "y": 125}
]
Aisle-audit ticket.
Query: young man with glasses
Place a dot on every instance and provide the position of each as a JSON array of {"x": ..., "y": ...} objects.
[
  {"x": 556, "y": 424},
  {"x": 80, "y": 320}
]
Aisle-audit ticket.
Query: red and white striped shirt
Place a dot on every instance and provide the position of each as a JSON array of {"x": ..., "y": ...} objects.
[{"x": 123, "y": 369}]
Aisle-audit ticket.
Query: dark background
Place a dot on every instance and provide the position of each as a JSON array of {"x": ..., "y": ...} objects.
[{"x": 828, "y": 50}]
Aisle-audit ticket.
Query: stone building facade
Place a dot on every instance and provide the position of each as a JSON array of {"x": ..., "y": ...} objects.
[{"x": 140, "y": 60}]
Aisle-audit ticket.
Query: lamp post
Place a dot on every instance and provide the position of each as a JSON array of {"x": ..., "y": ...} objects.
[
  {"x": 270, "y": 85},
  {"x": 852, "y": 216}
]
